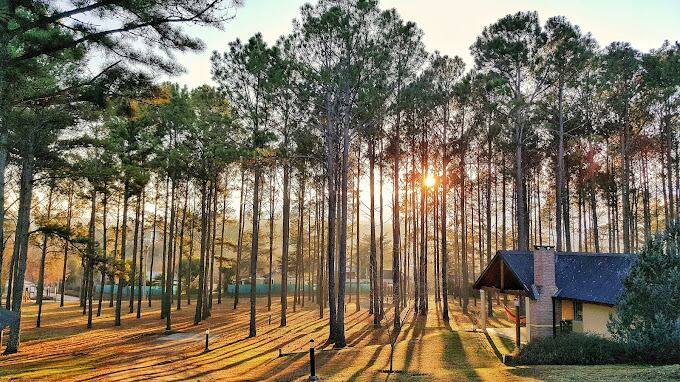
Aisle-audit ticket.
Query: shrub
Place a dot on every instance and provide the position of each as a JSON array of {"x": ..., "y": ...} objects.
[
  {"x": 571, "y": 349},
  {"x": 648, "y": 312}
]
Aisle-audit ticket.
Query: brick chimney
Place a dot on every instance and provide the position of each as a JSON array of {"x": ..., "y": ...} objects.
[{"x": 541, "y": 309}]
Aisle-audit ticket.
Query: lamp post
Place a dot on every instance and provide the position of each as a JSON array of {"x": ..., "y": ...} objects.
[
  {"x": 312, "y": 364},
  {"x": 207, "y": 335}
]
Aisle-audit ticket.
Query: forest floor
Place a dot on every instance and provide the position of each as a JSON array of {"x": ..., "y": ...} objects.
[{"x": 428, "y": 348}]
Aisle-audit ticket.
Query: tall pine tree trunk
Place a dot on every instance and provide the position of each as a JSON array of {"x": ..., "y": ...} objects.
[
  {"x": 271, "y": 242},
  {"x": 41, "y": 277},
  {"x": 135, "y": 241},
  {"x": 254, "y": 250},
  {"x": 239, "y": 245},
  {"x": 198, "y": 316},
  {"x": 105, "y": 203},
  {"x": 20, "y": 254},
  {"x": 169, "y": 263},
  {"x": 153, "y": 242},
  {"x": 66, "y": 244},
  {"x": 444, "y": 249},
  {"x": 396, "y": 234},
  {"x": 375, "y": 307},
  {"x": 122, "y": 282}
]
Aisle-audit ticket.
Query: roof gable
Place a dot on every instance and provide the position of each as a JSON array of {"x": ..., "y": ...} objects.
[{"x": 517, "y": 270}]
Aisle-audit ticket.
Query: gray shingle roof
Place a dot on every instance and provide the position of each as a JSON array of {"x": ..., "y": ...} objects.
[
  {"x": 592, "y": 277},
  {"x": 588, "y": 277}
]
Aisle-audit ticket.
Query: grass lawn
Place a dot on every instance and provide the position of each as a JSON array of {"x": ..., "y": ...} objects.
[{"x": 428, "y": 349}]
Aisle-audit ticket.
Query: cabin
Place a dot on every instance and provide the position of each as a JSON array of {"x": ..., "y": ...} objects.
[{"x": 562, "y": 292}]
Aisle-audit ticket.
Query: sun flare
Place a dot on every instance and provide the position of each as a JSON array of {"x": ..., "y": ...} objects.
[{"x": 429, "y": 180}]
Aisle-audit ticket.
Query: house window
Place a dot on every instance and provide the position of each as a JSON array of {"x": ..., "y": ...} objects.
[{"x": 578, "y": 311}]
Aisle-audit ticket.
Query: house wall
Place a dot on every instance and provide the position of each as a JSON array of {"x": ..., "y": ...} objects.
[{"x": 595, "y": 318}]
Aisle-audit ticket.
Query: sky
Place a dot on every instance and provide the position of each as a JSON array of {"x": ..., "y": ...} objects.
[{"x": 451, "y": 26}]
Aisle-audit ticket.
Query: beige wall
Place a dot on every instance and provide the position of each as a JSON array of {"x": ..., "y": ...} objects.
[{"x": 595, "y": 318}]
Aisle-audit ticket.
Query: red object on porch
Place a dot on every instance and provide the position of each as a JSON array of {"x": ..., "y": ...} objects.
[{"x": 511, "y": 315}]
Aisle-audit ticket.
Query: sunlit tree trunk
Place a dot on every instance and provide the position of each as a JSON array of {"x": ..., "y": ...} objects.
[
  {"x": 198, "y": 316},
  {"x": 66, "y": 244},
  {"x": 358, "y": 303},
  {"x": 181, "y": 247},
  {"x": 20, "y": 253},
  {"x": 375, "y": 292},
  {"x": 41, "y": 277},
  {"x": 271, "y": 241},
  {"x": 396, "y": 234},
  {"x": 153, "y": 240},
  {"x": 105, "y": 203},
  {"x": 91, "y": 257},
  {"x": 135, "y": 243},
  {"x": 239, "y": 245},
  {"x": 381, "y": 241},
  {"x": 165, "y": 245},
  {"x": 169, "y": 263},
  {"x": 112, "y": 280},
  {"x": 254, "y": 249}
]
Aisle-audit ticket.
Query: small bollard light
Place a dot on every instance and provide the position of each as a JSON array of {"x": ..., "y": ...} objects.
[
  {"x": 312, "y": 364},
  {"x": 207, "y": 334},
  {"x": 270, "y": 319}
]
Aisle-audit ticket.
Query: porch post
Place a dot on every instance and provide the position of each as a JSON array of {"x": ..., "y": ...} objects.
[
  {"x": 528, "y": 318},
  {"x": 482, "y": 309},
  {"x": 517, "y": 324}
]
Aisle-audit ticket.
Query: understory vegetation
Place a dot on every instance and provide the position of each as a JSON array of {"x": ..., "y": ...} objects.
[
  {"x": 648, "y": 318},
  {"x": 571, "y": 349}
]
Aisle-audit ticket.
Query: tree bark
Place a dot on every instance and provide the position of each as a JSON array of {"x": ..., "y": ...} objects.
[
  {"x": 66, "y": 244},
  {"x": 123, "y": 242},
  {"x": 331, "y": 174},
  {"x": 135, "y": 243},
  {"x": 219, "y": 270},
  {"x": 41, "y": 277},
  {"x": 358, "y": 303},
  {"x": 105, "y": 203},
  {"x": 198, "y": 316},
  {"x": 254, "y": 250},
  {"x": 91, "y": 257},
  {"x": 169, "y": 262},
  {"x": 444, "y": 182},
  {"x": 375, "y": 292},
  {"x": 153, "y": 242},
  {"x": 20, "y": 254},
  {"x": 239, "y": 245},
  {"x": 396, "y": 234},
  {"x": 271, "y": 242}
]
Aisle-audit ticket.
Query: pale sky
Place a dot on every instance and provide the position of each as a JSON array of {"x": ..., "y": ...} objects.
[{"x": 452, "y": 26}]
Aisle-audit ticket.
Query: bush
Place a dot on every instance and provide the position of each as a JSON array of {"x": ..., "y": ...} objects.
[
  {"x": 571, "y": 349},
  {"x": 648, "y": 312}
]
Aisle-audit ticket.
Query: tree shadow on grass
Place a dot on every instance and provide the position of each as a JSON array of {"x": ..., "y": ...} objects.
[
  {"x": 454, "y": 355},
  {"x": 418, "y": 329}
]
